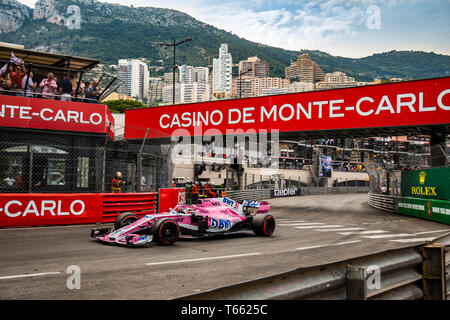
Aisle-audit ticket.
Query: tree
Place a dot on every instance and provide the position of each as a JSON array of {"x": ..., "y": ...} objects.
[{"x": 119, "y": 106}]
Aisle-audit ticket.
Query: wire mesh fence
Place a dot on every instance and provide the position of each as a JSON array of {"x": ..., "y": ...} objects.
[
  {"x": 65, "y": 161},
  {"x": 62, "y": 168}
]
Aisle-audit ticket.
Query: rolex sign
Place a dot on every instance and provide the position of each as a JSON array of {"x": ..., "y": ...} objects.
[{"x": 427, "y": 183}]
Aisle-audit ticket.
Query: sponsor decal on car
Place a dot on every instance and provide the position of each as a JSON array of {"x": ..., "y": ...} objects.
[
  {"x": 252, "y": 204},
  {"x": 220, "y": 223},
  {"x": 233, "y": 204}
]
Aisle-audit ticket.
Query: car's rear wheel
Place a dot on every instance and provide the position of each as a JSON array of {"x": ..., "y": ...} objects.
[
  {"x": 263, "y": 224},
  {"x": 166, "y": 231},
  {"x": 125, "y": 219}
]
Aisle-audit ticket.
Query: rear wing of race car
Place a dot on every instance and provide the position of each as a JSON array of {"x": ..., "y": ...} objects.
[{"x": 261, "y": 206}]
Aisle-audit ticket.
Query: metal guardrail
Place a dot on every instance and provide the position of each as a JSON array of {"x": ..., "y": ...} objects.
[
  {"x": 262, "y": 194},
  {"x": 382, "y": 202},
  {"x": 251, "y": 194},
  {"x": 332, "y": 190},
  {"x": 399, "y": 271}
]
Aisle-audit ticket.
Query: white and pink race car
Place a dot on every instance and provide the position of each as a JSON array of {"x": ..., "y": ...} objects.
[{"x": 207, "y": 217}]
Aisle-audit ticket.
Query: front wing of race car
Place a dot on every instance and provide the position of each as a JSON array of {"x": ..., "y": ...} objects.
[{"x": 136, "y": 233}]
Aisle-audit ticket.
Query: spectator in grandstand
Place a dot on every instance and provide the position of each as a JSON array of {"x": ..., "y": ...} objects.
[
  {"x": 6, "y": 83},
  {"x": 65, "y": 88},
  {"x": 93, "y": 92},
  {"x": 74, "y": 81},
  {"x": 30, "y": 87},
  {"x": 48, "y": 86},
  {"x": 85, "y": 89},
  {"x": 16, "y": 78}
]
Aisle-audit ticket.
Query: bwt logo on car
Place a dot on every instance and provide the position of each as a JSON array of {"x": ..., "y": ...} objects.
[
  {"x": 16, "y": 208},
  {"x": 231, "y": 203},
  {"x": 221, "y": 224}
]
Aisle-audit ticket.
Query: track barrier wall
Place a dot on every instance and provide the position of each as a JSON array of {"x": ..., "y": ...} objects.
[
  {"x": 412, "y": 273},
  {"x": 27, "y": 210},
  {"x": 436, "y": 210},
  {"x": 46, "y": 209},
  {"x": 264, "y": 194}
]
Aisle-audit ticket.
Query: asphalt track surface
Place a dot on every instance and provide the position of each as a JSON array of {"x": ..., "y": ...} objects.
[{"x": 311, "y": 230}]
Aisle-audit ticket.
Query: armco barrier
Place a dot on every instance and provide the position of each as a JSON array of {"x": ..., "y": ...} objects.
[
  {"x": 382, "y": 202},
  {"x": 306, "y": 191},
  {"x": 399, "y": 273},
  {"x": 250, "y": 194},
  {"x": 263, "y": 194}
]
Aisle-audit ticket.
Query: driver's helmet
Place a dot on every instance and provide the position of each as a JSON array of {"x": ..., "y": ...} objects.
[{"x": 181, "y": 210}]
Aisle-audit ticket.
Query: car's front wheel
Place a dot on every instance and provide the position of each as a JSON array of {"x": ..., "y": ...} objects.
[
  {"x": 263, "y": 224},
  {"x": 166, "y": 231},
  {"x": 125, "y": 219}
]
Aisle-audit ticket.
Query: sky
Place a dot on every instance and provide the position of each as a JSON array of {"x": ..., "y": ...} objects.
[{"x": 348, "y": 28}]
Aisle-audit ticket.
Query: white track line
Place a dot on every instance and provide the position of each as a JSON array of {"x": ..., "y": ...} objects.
[
  {"x": 300, "y": 224},
  {"x": 340, "y": 229},
  {"x": 426, "y": 232},
  {"x": 331, "y": 226},
  {"x": 403, "y": 235},
  {"x": 29, "y": 275},
  {"x": 328, "y": 245},
  {"x": 383, "y": 236},
  {"x": 203, "y": 259},
  {"x": 315, "y": 227},
  {"x": 362, "y": 232},
  {"x": 413, "y": 240}
]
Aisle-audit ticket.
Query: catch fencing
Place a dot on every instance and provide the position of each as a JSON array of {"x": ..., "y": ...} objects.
[
  {"x": 412, "y": 273},
  {"x": 66, "y": 164}
]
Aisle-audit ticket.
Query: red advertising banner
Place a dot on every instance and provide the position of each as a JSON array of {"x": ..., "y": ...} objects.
[
  {"x": 34, "y": 209},
  {"x": 170, "y": 197},
  {"x": 411, "y": 103},
  {"x": 36, "y": 113}
]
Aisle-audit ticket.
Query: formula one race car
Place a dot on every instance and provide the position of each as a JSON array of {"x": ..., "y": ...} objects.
[{"x": 208, "y": 217}]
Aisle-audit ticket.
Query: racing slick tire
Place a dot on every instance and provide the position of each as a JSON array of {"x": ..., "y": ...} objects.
[
  {"x": 125, "y": 219},
  {"x": 263, "y": 225},
  {"x": 166, "y": 231}
]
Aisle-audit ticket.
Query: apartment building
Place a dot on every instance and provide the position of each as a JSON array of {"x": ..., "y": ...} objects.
[
  {"x": 222, "y": 71},
  {"x": 134, "y": 76},
  {"x": 304, "y": 70},
  {"x": 254, "y": 67}
]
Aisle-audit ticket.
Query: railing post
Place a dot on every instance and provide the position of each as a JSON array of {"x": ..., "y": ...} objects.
[
  {"x": 356, "y": 283},
  {"x": 434, "y": 282},
  {"x": 245, "y": 180},
  {"x": 30, "y": 169}
]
